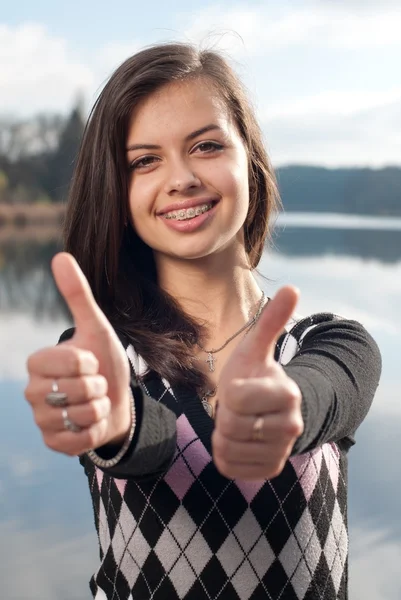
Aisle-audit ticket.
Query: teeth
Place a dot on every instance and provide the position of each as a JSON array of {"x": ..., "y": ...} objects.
[{"x": 189, "y": 213}]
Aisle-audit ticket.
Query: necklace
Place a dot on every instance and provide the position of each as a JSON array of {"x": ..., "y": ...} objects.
[
  {"x": 206, "y": 394},
  {"x": 210, "y": 353}
]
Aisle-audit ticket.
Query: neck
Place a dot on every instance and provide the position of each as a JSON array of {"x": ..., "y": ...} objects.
[{"x": 218, "y": 291}]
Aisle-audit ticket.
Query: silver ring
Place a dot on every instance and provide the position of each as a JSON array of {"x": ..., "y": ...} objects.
[
  {"x": 56, "y": 398},
  {"x": 68, "y": 424}
]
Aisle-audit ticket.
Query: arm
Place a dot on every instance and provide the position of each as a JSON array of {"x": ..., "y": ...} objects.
[
  {"x": 153, "y": 446},
  {"x": 337, "y": 370}
]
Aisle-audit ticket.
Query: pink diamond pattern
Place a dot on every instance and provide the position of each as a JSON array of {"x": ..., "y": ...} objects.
[
  {"x": 249, "y": 489},
  {"x": 179, "y": 478},
  {"x": 99, "y": 477},
  {"x": 307, "y": 467},
  {"x": 332, "y": 462}
]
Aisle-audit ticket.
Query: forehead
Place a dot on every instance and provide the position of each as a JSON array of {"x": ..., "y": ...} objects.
[{"x": 177, "y": 109}]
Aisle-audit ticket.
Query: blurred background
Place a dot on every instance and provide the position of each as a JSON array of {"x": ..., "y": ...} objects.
[{"x": 325, "y": 79}]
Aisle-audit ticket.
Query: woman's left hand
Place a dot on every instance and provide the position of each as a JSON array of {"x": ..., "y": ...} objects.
[{"x": 259, "y": 415}]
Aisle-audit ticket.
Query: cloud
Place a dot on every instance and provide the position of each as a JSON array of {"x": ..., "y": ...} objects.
[
  {"x": 315, "y": 115},
  {"x": 266, "y": 28},
  {"x": 313, "y": 68},
  {"x": 370, "y": 5},
  {"x": 39, "y": 72},
  {"x": 311, "y": 130}
]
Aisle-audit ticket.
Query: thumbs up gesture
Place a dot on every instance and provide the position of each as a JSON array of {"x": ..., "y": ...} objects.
[
  {"x": 91, "y": 369},
  {"x": 259, "y": 414}
]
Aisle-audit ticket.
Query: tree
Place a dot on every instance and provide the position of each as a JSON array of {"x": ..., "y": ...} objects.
[{"x": 61, "y": 163}]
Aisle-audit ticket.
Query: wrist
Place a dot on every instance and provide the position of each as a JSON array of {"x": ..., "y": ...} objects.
[
  {"x": 116, "y": 448},
  {"x": 121, "y": 422}
]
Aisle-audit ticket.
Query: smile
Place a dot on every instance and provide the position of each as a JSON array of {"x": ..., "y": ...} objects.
[{"x": 188, "y": 213}]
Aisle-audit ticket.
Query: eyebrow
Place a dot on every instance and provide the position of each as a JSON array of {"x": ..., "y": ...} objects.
[{"x": 189, "y": 137}]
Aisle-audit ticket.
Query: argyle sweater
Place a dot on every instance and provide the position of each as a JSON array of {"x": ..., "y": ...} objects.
[{"x": 170, "y": 526}]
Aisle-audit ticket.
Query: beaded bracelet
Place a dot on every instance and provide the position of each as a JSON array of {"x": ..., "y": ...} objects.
[{"x": 111, "y": 462}]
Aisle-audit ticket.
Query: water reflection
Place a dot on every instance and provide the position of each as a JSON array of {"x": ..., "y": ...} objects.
[
  {"x": 384, "y": 246},
  {"x": 26, "y": 283},
  {"x": 46, "y": 524}
]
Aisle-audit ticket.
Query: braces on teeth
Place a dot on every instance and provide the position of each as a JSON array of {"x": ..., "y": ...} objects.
[{"x": 189, "y": 213}]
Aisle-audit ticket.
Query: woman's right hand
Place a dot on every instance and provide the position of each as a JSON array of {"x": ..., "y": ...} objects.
[{"x": 91, "y": 368}]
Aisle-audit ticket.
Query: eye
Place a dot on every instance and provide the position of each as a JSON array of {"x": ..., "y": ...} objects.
[
  {"x": 142, "y": 163},
  {"x": 208, "y": 147}
]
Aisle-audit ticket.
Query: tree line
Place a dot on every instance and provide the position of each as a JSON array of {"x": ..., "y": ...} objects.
[{"x": 37, "y": 159}]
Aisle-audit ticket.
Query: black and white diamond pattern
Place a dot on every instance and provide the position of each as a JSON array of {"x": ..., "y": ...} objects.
[{"x": 194, "y": 535}]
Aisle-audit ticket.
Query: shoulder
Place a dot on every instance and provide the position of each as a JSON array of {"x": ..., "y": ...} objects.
[{"x": 321, "y": 329}]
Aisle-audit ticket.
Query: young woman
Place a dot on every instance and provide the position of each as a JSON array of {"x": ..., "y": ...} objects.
[{"x": 213, "y": 425}]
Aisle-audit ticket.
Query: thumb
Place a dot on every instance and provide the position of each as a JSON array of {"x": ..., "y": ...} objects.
[
  {"x": 261, "y": 341},
  {"x": 75, "y": 289}
]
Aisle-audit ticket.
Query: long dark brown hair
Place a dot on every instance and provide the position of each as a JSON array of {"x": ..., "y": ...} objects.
[{"x": 120, "y": 267}]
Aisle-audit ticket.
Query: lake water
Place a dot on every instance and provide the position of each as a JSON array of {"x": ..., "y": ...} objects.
[{"x": 48, "y": 547}]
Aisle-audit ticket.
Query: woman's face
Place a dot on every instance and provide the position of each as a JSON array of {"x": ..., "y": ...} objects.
[{"x": 188, "y": 186}]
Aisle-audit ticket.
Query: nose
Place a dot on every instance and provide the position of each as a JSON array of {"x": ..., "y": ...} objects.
[{"x": 181, "y": 178}]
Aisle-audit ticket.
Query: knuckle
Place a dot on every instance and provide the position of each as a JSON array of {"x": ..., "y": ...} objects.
[
  {"x": 30, "y": 363},
  {"x": 221, "y": 445},
  {"x": 33, "y": 360},
  {"x": 28, "y": 392},
  {"x": 225, "y": 423},
  {"x": 293, "y": 394},
  {"x": 274, "y": 370},
  {"x": 102, "y": 386},
  {"x": 70, "y": 452},
  {"x": 93, "y": 436},
  {"x": 51, "y": 442},
  {"x": 294, "y": 426},
  {"x": 39, "y": 420},
  {"x": 222, "y": 466},
  {"x": 73, "y": 359},
  {"x": 95, "y": 409},
  {"x": 86, "y": 388},
  {"x": 276, "y": 469}
]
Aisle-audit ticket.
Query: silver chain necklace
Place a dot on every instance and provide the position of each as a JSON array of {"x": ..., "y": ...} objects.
[
  {"x": 210, "y": 353},
  {"x": 205, "y": 395}
]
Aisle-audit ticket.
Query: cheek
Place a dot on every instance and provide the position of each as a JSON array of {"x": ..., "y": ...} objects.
[
  {"x": 141, "y": 196},
  {"x": 232, "y": 181}
]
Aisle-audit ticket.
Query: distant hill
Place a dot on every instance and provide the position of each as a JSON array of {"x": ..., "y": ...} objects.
[{"x": 357, "y": 191}]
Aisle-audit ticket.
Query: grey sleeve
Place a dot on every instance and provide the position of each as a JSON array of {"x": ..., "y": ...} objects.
[
  {"x": 337, "y": 370},
  {"x": 153, "y": 446}
]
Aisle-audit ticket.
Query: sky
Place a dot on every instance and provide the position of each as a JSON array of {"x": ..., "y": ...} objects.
[{"x": 323, "y": 75}]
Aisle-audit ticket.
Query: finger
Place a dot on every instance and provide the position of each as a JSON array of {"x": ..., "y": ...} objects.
[
  {"x": 78, "y": 389},
  {"x": 260, "y": 343},
  {"x": 76, "y": 291},
  {"x": 258, "y": 453},
  {"x": 50, "y": 419},
  {"x": 275, "y": 427},
  {"x": 62, "y": 361},
  {"x": 74, "y": 444},
  {"x": 262, "y": 395}
]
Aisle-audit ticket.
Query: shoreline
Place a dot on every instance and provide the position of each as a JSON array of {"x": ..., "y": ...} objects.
[{"x": 20, "y": 216}]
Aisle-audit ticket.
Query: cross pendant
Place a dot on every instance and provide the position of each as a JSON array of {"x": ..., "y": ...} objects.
[{"x": 210, "y": 360}]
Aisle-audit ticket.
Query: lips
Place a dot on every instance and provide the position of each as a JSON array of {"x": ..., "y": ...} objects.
[{"x": 193, "y": 203}]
